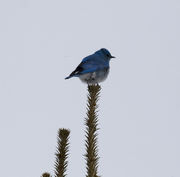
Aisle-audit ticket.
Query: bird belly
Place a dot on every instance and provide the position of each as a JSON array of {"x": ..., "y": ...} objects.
[{"x": 94, "y": 77}]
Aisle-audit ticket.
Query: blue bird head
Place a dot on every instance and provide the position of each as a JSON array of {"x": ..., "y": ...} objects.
[{"x": 106, "y": 53}]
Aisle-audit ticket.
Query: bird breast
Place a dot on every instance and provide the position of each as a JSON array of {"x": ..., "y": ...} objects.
[{"x": 94, "y": 77}]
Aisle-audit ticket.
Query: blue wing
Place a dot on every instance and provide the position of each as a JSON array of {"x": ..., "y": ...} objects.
[{"x": 89, "y": 64}]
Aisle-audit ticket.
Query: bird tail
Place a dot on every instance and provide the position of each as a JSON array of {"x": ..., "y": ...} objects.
[
  {"x": 68, "y": 77},
  {"x": 75, "y": 73}
]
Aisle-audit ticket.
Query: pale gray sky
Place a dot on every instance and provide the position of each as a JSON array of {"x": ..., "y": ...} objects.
[{"x": 42, "y": 41}]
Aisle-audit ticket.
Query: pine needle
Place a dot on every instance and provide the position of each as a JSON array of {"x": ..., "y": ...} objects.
[
  {"x": 62, "y": 153},
  {"x": 91, "y": 121}
]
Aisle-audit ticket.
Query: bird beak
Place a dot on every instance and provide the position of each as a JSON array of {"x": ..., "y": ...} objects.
[{"x": 113, "y": 57}]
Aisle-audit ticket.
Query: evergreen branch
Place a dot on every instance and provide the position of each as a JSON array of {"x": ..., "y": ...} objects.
[
  {"x": 91, "y": 131},
  {"x": 62, "y": 153}
]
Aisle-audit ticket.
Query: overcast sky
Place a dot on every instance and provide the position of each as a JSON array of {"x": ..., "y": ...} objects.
[{"x": 42, "y": 41}]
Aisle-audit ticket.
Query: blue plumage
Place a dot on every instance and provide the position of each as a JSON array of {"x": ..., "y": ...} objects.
[{"x": 93, "y": 68}]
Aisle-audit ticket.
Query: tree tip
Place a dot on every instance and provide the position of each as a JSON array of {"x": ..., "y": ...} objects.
[
  {"x": 46, "y": 175},
  {"x": 63, "y": 133}
]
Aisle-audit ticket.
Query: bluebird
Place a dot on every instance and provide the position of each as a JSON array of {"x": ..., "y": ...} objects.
[{"x": 93, "y": 68}]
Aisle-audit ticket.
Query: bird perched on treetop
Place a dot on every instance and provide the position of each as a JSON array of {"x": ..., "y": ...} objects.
[{"x": 93, "y": 68}]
